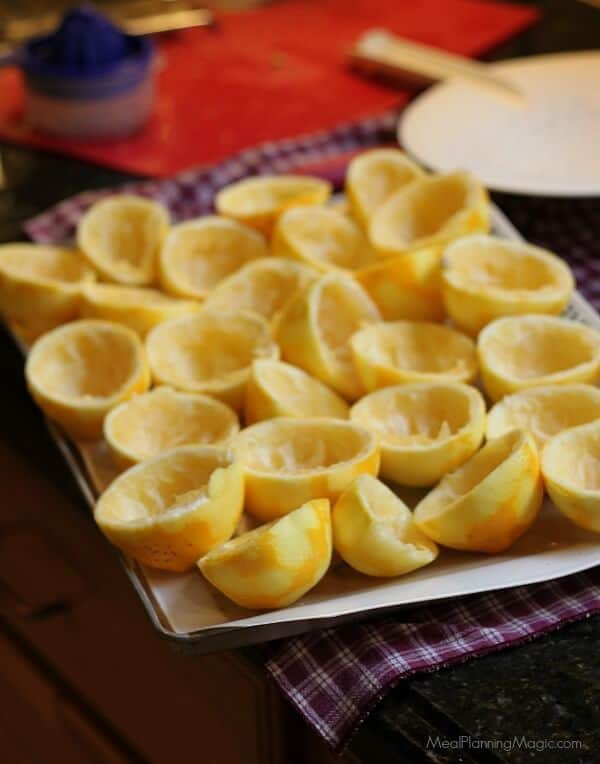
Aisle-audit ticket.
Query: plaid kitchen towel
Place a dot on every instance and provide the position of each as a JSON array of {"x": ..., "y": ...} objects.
[{"x": 334, "y": 677}]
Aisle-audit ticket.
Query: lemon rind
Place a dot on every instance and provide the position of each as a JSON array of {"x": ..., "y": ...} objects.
[
  {"x": 495, "y": 425},
  {"x": 547, "y": 457},
  {"x": 474, "y": 215},
  {"x": 229, "y": 387},
  {"x": 497, "y": 383},
  {"x": 394, "y": 375},
  {"x": 79, "y": 414},
  {"x": 366, "y": 449},
  {"x": 129, "y": 457},
  {"x": 110, "y": 271},
  {"x": 471, "y": 434},
  {"x": 355, "y": 167},
  {"x": 176, "y": 286}
]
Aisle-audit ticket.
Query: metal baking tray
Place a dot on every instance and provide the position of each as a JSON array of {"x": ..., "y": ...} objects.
[{"x": 186, "y": 609}]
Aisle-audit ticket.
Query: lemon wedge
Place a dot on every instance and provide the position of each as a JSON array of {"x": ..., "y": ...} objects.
[
  {"x": 373, "y": 176},
  {"x": 488, "y": 502},
  {"x": 571, "y": 471},
  {"x": 137, "y": 307},
  {"x": 276, "y": 564},
  {"x": 263, "y": 286},
  {"x": 432, "y": 210},
  {"x": 407, "y": 286},
  {"x": 425, "y": 430},
  {"x": 259, "y": 201},
  {"x": 314, "y": 330},
  {"x": 199, "y": 254},
  {"x": 412, "y": 351},
  {"x": 322, "y": 238},
  {"x": 545, "y": 411},
  {"x": 290, "y": 461},
  {"x": 40, "y": 285},
  {"x": 210, "y": 353},
  {"x": 518, "y": 352},
  {"x": 121, "y": 237},
  {"x": 374, "y": 532},
  {"x": 169, "y": 511},
  {"x": 145, "y": 426},
  {"x": 485, "y": 277},
  {"x": 277, "y": 389},
  {"x": 78, "y": 372}
]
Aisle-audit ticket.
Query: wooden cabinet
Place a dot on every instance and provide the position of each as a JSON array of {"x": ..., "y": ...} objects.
[
  {"x": 81, "y": 668},
  {"x": 38, "y": 721}
]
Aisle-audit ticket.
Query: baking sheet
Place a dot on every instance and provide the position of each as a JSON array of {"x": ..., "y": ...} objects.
[{"x": 185, "y": 608}]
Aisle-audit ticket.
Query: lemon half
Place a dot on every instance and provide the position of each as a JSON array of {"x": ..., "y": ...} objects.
[
  {"x": 122, "y": 235},
  {"x": 412, "y": 351},
  {"x": 545, "y": 411},
  {"x": 259, "y": 201},
  {"x": 430, "y": 211},
  {"x": 290, "y": 461},
  {"x": 374, "y": 532},
  {"x": 277, "y": 389},
  {"x": 210, "y": 353},
  {"x": 40, "y": 286},
  {"x": 571, "y": 470},
  {"x": 276, "y": 564},
  {"x": 78, "y": 372},
  {"x": 169, "y": 511},
  {"x": 518, "y": 352},
  {"x": 322, "y": 238},
  {"x": 315, "y": 329},
  {"x": 425, "y": 430},
  {"x": 485, "y": 277},
  {"x": 373, "y": 176},
  {"x": 145, "y": 426},
  {"x": 488, "y": 502},
  {"x": 265, "y": 286},
  {"x": 198, "y": 254}
]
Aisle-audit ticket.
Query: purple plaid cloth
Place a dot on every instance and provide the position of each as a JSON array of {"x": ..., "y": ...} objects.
[{"x": 335, "y": 676}]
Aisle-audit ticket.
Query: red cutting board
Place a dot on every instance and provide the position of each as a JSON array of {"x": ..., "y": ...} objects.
[{"x": 270, "y": 73}]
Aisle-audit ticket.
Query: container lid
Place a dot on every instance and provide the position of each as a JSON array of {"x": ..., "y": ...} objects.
[{"x": 546, "y": 147}]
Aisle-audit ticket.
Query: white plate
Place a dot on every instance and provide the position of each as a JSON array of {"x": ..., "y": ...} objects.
[
  {"x": 186, "y": 608},
  {"x": 549, "y": 146}
]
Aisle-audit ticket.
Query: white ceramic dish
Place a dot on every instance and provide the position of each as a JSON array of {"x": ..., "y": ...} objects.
[
  {"x": 548, "y": 146},
  {"x": 187, "y": 609}
]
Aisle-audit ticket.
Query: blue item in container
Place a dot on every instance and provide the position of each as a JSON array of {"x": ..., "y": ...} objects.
[{"x": 88, "y": 79}]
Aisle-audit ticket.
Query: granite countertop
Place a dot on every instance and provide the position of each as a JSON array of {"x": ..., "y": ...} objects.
[
  {"x": 546, "y": 690},
  {"x": 531, "y": 697}
]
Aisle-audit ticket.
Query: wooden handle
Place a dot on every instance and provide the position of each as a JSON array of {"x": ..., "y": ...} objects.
[{"x": 379, "y": 51}]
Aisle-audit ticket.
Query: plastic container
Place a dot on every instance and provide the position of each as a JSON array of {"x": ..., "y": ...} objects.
[{"x": 88, "y": 79}]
